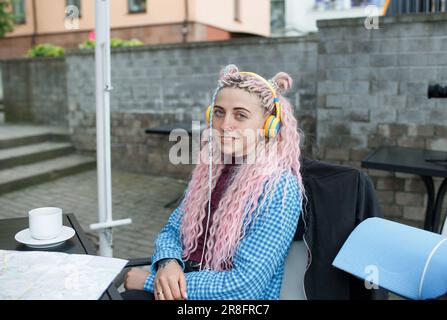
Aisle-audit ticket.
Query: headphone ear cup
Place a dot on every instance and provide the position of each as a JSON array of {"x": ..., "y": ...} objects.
[
  {"x": 272, "y": 126},
  {"x": 208, "y": 114}
]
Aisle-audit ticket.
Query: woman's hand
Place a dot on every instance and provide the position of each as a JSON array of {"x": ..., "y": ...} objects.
[
  {"x": 135, "y": 279},
  {"x": 170, "y": 280}
]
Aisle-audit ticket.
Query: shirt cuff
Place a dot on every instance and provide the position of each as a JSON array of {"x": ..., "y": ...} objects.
[
  {"x": 149, "y": 283},
  {"x": 165, "y": 254}
]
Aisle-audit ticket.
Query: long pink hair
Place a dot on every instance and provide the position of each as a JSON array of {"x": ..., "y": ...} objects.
[{"x": 281, "y": 154}]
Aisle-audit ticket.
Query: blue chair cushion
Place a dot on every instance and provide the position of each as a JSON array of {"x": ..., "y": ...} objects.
[{"x": 405, "y": 260}]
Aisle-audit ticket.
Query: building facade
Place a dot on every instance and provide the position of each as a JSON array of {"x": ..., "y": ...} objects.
[
  {"x": 295, "y": 18},
  {"x": 67, "y": 23}
]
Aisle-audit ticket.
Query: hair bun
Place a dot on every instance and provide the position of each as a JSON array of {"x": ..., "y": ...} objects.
[
  {"x": 283, "y": 81},
  {"x": 228, "y": 70}
]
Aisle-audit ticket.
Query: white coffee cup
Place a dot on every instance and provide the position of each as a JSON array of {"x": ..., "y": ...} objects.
[{"x": 45, "y": 223}]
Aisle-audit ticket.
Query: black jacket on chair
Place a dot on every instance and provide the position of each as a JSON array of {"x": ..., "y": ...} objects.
[{"x": 339, "y": 198}]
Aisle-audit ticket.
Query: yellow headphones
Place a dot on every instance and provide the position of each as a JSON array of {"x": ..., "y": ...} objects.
[{"x": 273, "y": 123}]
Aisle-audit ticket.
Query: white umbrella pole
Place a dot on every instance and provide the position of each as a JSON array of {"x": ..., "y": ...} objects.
[{"x": 103, "y": 88}]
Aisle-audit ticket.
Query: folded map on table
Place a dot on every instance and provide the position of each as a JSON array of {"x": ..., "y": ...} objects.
[{"x": 35, "y": 275}]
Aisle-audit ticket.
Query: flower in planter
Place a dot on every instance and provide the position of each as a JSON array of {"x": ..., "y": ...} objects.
[
  {"x": 92, "y": 36},
  {"x": 114, "y": 42},
  {"x": 45, "y": 50}
]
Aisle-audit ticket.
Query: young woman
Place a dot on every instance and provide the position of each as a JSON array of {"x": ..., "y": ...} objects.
[{"x": 234, "y": 246}]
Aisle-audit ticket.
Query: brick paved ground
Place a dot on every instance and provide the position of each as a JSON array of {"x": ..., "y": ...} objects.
[{"x": 139, "y": 197}]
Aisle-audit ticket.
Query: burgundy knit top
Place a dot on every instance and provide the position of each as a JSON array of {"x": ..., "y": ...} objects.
[{"x": 216, "y": 195}]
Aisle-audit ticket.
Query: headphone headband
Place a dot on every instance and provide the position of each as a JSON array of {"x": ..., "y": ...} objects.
[{"x": 275, "y": 97}]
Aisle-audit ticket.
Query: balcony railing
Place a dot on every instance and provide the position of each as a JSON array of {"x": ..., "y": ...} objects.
[{"x": 398, "y": 7}]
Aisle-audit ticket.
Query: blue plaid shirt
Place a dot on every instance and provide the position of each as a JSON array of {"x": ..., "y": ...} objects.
[{"x": 258, "y": 262}]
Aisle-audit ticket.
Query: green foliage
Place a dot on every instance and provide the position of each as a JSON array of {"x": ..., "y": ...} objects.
[
  {"x": 45, "y": 50},
  {"x": 6, "y": 18},
  {"x": 114, "y": 43},
  {"x": 88, "y": 44}
]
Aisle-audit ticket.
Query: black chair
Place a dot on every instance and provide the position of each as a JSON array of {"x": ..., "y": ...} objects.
[{"x": 339, "y": 198}]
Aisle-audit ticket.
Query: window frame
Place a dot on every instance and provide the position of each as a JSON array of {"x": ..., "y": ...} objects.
[
  {"x": 71, "y": 4},
  {"x": 129, "y": 11},
  {"x": 22, "y": 17}
]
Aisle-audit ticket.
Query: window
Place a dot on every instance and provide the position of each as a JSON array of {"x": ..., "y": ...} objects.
[
  {"x": 76, "y": 3},
  {"x": 277, "y": 14},
  {"x": 136, "y": 6},
  {"x": 328, "y": 5},
  {"x": 18, "y": 10},
  {"x": 237, "y": 10}
]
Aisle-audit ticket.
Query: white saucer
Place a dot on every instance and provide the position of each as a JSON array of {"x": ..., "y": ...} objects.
[{"x": 24, "y": 237}]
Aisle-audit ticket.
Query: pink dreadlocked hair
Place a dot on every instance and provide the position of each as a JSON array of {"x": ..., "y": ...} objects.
[{"x": 248, "y": 184}]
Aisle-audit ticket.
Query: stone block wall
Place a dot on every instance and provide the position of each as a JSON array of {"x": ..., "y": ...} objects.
[
  {"x": 35, "y": 90},
  {"x": 171, "y": 83},
  {"x": 372, "y": 92}
]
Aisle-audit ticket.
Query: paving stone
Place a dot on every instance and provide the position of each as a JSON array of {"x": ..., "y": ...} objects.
[{"x": 78, "y": 194}]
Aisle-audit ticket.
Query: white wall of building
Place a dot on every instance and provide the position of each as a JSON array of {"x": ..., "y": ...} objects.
[{"x": 302, "y": 15}]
